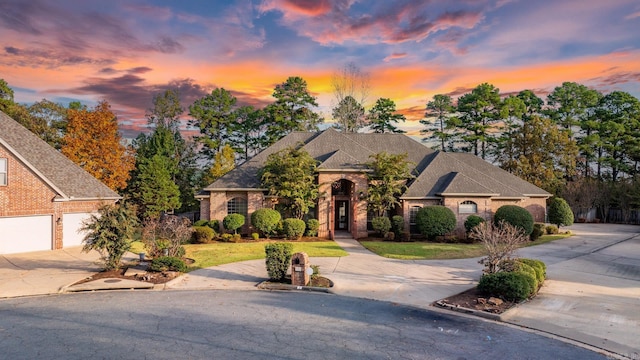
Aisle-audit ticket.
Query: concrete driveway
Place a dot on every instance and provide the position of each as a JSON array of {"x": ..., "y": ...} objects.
[
  {"x": 592, "y": 294},
  {"x": 44, "y": 272}
]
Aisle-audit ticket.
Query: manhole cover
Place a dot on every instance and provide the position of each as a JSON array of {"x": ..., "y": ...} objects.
[{"x": 112, "y": 280}]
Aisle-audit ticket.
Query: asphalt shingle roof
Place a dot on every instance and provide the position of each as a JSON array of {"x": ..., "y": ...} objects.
[
  {"x": 438, "y": 173},
  {"x": 66, "y": 178}
]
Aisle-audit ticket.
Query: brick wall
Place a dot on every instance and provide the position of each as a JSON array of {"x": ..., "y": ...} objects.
[{"x": 26, "y": 194}]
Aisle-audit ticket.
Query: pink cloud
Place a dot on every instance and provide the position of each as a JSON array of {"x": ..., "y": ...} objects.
[
  {"x": 395, "y": 56},
  {"x": 390, "y": 23}
]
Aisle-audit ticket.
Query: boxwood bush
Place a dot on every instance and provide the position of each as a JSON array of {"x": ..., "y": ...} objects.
[
  {"x": 167, "y": 263},
  {"x": 472, "y": 221},
  {"x": 435, "y": 220},
  {"x": 266, "y": 221},
  {"x": 511, "y": 286},
  {"x": 312, "y": 227},
  {"x": 278, "y": 256},
  {"x": 233, "y": 222},
  {"x": 397, "y": 225},
  {"x": 515, "y": 265},
  {"x": 516, "y": 216},
  {"x": 214, "y": 224},
  {"x": 560, "y": 213},
  {"x": 538, "y": 230},
  {"x": 293, "y": 228},
  {"x": 203, "y": 234},
  {"x": 381, "y": 224},
  {"x": 539, "y": 267}
]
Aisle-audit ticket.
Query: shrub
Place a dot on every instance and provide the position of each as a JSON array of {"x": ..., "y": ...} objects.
[
  {"x": 560, "y": 213},
  {"x": 551, "y": 229},
  {"x": 203, "y": 234},
  {"x": 500, "y": 241},
  {"x": 472, "y": 221},
  {"x": 167, "y": 233},
  {"x": 397, "y": 225},
  {"x": 516, "y": 216},
  {"x": 517, "y": 266},
  {"x": 110, "y": 232},
  {"x": 511, "y": 286},
  {"x": 293, "y": 228},
  {"x": 435, "y": 221},
  {"x": 266, "y": 221},
  {"x": 405, "y": 236},
  {"x": 226, "y": 237},
  {"x": 236, "y": 237},
  {"x": 538, "y": 230},
  {"x": 537, "y": 265},
  {"x": 233, "y": 222},
  {"x": 312, "y": 227},
  {"x": 278, "y": 256},
  {"x": 167, "y": 263},
  {"x": 201, "y": 222},
  {"x": 390, "y": 236},
  {"x": 381, "y": 224},
  {"x": 316, "y": 272},
  {"x": 255, "y": 236}
]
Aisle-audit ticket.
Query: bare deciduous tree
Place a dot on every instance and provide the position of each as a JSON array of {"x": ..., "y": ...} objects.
[
  {"x": 351, "y": 87},
  {"x": 169, "y": 232},
  {"x": 500, "y": 241}
]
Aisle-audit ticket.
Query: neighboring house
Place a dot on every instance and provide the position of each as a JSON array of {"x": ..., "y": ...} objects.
[
  {"x": 44, "y": 196},
  {"x": 463, "y": 182}
]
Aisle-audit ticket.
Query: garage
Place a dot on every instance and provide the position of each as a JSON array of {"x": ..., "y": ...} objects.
[
  {"x": 71, "y": 225},
  {"x": 25, "y": 233}
]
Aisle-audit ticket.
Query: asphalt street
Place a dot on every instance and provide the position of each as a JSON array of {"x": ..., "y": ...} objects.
[{"x": 254, "y": 325}]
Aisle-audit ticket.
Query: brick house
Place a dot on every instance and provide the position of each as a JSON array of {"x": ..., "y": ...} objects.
[
  {"x": 463, "y": 182},
  {"x": 44, "y": 196}
]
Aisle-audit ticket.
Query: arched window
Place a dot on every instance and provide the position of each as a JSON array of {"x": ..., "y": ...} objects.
[
  {"x": 468, "y": 207},
  {"x": 237, "y": 205}
]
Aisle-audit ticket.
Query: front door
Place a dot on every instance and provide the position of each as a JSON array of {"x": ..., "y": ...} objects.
[{"x": 341, "y": 219}]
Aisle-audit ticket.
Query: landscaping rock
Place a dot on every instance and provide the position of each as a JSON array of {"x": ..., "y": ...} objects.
[{"x": 495, "y": 301}]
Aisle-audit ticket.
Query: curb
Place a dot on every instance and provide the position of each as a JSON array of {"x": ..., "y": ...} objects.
[
  {"x": 266, "y": 285},
  {"x": 464, "y": 310}
]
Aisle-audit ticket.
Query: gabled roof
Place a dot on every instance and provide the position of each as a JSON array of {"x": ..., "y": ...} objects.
[
  {"x": 62, "y": 175},
  {"x": 334, "y": 151},
  {"x": 438, "y": 173},
  {"x": 465, "y": 174}
]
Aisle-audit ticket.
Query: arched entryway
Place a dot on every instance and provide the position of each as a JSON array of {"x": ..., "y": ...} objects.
[{"x": 342, "y": 204}]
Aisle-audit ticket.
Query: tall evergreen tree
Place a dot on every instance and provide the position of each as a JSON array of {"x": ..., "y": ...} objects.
[
  {"x": 479, "y": 111},
  {"x": 383, "y": 116},
  {"x": 442, "y": 130},
  {"x": 213, "y": 115}
]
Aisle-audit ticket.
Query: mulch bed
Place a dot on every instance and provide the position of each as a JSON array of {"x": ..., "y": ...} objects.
[{"x": 470, "y": 299}]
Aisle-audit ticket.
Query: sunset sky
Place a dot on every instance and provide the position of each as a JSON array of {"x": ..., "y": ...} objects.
[{"x": 127, "y": 51}]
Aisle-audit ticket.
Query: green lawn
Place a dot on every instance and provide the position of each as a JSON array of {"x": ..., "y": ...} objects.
[
  {"x": 437, "y": 251},
  {"x": 423, "y": 250},
  {"x": 206, "y": 255}
]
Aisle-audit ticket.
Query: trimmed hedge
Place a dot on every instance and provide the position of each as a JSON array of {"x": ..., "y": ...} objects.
[
  {"x": 293, "y": 228},
  {"x": 397, "y": 225},
  {"x": 214, "y": 224},
  {"x": 435, "y": 220},
  {"x": 167, "y": 263},
  {"x": 539, "y": 267},
  {"x": 278, "y": 256},
  {"x": 517, "y": 266},
  {"x": 538, "y": 230},
  {"x": 233, "y": 222},
  {"x": 560, "y": 213},
  {"x": 551, "y": 230},
  {"x": 266, "y": 221},
  {"x": 312, "y": 227},
  {"x": 203, "y": 234},
  {"x": 516, "y": 216},
  {"x": 381, "y": 224},
  {"x": 472, "y": 221},
  {"x": 511, "y": 286}
]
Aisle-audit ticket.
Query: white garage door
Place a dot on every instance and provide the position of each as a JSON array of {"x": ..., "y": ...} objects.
[
  {"x": 25, "y": 233},
  {"x": 71, "y": 224}
]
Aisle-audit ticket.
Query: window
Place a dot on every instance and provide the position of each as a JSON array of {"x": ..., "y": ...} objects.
[
  {"x": 413, "y": 212},
  {"x": 237, "y": 206},
  {"x": 468, "y": 207},
  {"x": 3, "y": 172}
]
